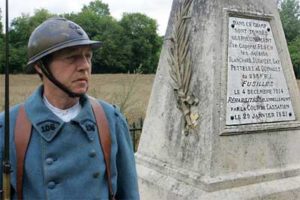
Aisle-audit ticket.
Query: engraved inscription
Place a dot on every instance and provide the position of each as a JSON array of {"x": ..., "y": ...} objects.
[{"x": 256, "y": 87}]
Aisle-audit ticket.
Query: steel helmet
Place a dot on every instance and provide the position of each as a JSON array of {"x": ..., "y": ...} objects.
[{"x": 55, "y": 34}]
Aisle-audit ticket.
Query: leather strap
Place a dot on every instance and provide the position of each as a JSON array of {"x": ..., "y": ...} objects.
[
  {"x": 23, "y": 129},
  {"x": 22, "y": 136},
  {"x": 104, "y": 136}
]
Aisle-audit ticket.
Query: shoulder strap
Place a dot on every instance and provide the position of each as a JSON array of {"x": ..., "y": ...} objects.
[
  {"x": 104, "y": 136},
  {"x": 22, "y": 137}
]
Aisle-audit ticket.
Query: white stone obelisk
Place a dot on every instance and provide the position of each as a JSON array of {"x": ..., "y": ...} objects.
[{"x": 223, "y": 117}]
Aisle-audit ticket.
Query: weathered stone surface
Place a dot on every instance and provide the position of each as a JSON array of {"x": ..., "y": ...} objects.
[{"x": 218, "y": 159}]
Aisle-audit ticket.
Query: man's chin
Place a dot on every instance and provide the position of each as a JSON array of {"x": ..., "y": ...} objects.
[{"x": 80, "y": 91}]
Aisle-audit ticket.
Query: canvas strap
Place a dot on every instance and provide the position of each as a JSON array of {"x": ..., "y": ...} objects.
[
  {"x": 23, "y": 133},
  {"x": 104, "y": 137},
  {"x": 22, "y": 136}
]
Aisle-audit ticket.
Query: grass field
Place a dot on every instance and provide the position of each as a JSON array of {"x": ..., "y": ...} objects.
[{"x": 131, "y": 92}]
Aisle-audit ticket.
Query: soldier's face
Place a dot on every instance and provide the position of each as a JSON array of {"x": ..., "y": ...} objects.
[{"x": 72, "y": 68}]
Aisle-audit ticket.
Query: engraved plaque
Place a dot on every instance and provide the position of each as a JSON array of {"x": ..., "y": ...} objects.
[{"x": 256, "y": 87}]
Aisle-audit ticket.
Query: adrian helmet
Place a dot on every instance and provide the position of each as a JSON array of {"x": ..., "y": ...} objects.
[{"x": 55, "y": 34}]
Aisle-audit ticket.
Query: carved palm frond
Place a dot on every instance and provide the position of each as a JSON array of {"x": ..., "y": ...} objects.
[{"x": 180, "y": 64}]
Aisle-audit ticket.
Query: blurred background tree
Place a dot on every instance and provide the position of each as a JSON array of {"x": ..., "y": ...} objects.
[
  {"x": 2, "y": 61},
  {"x": 128, "y": 44},
  {"x": 289, "y": 13}
]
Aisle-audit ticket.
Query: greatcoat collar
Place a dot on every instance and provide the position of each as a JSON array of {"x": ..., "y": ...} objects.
[{"x": 48, "y": 125}]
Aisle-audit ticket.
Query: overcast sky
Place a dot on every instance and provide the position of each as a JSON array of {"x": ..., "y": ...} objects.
[{"x": 157, "y": 9}]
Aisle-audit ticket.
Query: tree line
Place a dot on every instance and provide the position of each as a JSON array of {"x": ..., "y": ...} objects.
[
  {"x": 130, "y": 44},
  {"x": 290, "y": 17}
]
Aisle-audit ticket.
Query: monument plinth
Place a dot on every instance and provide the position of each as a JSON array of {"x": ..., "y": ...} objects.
[{"x": 223, "y": 117}]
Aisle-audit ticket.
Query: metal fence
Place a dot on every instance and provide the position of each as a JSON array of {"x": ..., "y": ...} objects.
[{"x": 135, "y": 131}]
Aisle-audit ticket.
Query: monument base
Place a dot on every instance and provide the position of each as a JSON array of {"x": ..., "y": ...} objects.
[{"x": 155, "y": 185}]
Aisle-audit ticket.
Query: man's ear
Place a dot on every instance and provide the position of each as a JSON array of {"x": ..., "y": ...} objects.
[
  {"x": 37, "y": 67},
  {"x": 38, "y": 70}
]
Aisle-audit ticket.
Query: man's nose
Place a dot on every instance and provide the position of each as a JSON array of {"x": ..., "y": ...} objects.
[{"x": 84, "y": 63}]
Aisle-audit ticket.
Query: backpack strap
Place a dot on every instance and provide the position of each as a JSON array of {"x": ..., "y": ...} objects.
[
  {"x": 23, "y": 129},
  {"x": 105, "y": 141},
  {"x": 22, "y": 136}
]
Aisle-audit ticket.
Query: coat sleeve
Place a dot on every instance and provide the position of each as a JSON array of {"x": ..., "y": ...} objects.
[{"x": 127, "y": 184}]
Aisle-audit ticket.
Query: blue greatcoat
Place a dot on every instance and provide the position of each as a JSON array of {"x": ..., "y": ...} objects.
[{"x": 64, "y": 160}]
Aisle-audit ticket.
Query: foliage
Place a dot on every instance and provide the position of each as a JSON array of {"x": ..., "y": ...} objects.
[
  {"x": 127, "y": 44},
  {"x": 2, "y": 61},
  {"x": 289, "y": 14},
  {"x": 143, "y": 41},
  {"x": 97, "y": 7},
  {"x": 294, "y": 48},
  {"x": 1, "y": 26}
]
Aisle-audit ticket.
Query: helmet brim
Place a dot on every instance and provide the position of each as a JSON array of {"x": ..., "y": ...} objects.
[{"x": 94, "y": 45}]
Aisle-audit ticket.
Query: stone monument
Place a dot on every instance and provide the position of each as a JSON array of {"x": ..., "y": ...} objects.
[{"x": 223, "y": 117}]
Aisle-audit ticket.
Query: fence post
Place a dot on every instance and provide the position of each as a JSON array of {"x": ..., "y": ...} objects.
[{"x": 141, "y": 123}]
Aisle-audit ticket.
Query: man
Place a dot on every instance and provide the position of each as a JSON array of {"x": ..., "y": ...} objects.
[{"x": 65, "y": 157}]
